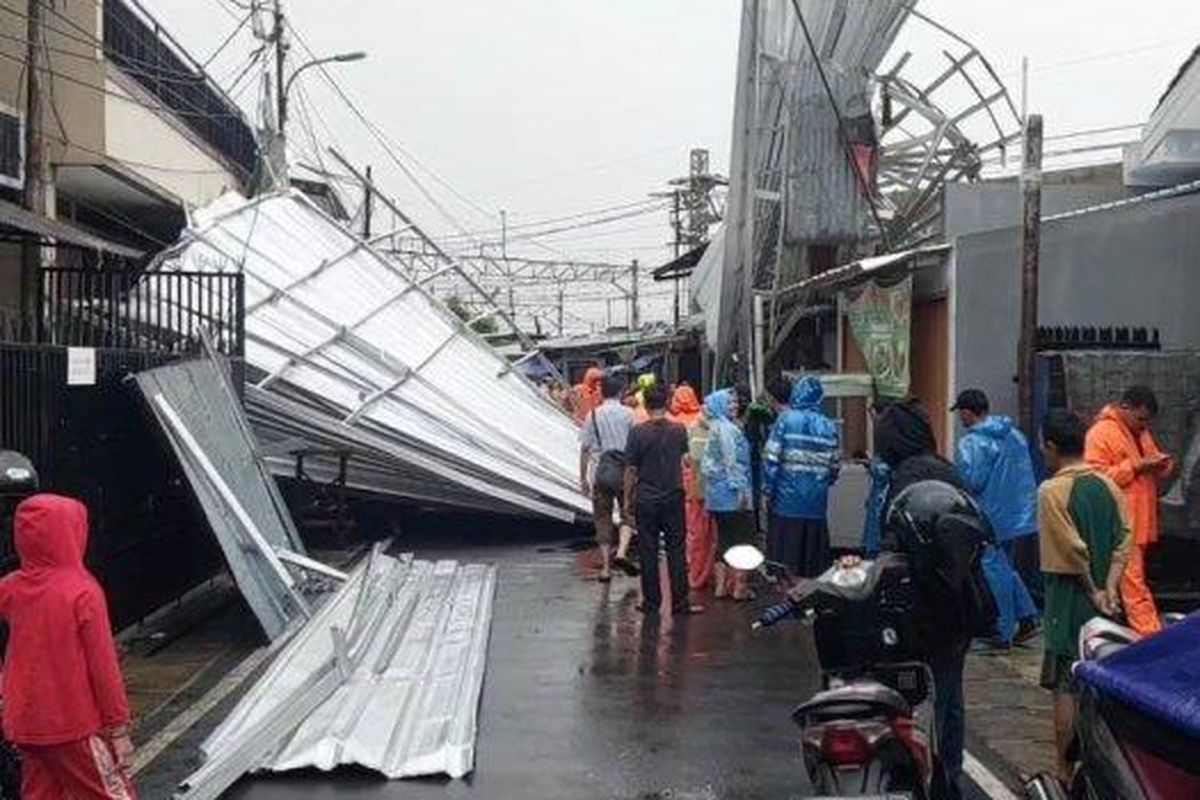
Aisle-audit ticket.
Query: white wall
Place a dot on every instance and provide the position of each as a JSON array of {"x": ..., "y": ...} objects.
[{"x": 143, "y": 140}]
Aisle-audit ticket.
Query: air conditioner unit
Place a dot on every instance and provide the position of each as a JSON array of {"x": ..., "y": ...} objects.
[{"x": 12, "y": 148}]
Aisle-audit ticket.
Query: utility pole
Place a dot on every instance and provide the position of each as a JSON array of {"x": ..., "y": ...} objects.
[
  {"x": 280, "y": 55},
  {"x": 1031, "y": 187},
  {"x": 635, "y": 313},
  {"x": 368, "y": 199},
  {"x": 35, "y": 158}
]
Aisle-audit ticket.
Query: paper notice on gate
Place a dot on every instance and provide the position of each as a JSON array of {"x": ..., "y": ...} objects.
[{"x": 81, "y": 366}]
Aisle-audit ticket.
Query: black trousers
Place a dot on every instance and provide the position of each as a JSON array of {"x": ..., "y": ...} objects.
[
  {"x": 662, "y": 518},
  {"x": 802, "y": 545}
]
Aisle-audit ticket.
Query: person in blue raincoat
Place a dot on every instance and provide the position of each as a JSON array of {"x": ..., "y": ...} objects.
[
  {"x": 725, "y": 468},
  {"x": 993, "y": 459},
  {"x": 800, "y": 463}
]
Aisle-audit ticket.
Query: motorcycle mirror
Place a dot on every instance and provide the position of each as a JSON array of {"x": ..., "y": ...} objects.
[{"x": 745, "y": 557}]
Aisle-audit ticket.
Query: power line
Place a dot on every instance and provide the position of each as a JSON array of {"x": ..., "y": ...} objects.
[
  {"x": 564, "y": 218},
  {"x": 225, "y": 42},
  {"x": 586, "y": 224}
]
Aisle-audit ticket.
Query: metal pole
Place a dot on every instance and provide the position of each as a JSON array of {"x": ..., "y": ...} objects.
[
  {"x": 757, "y": 376},
  {"x": 35, "y": 159},
  {"x": 368, "y": 200},
  {"x": 561, "y": 303},
  {"x": 1031, "y": 185},
  {"x": 635, "y": 313},
  {"x": 678, "y": 224}
]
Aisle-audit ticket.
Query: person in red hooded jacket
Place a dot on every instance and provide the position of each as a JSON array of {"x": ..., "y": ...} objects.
[{"x": 65, "y": 707}]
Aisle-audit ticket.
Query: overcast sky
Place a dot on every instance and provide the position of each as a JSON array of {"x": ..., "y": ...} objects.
[{"x": 551, "y": 107}]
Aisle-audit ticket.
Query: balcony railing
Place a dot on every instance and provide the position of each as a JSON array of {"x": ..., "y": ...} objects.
[{"x": 148, "y": 54}]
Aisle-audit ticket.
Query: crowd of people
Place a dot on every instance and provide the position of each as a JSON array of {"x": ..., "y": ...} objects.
[{"x": 701, "y": 478}]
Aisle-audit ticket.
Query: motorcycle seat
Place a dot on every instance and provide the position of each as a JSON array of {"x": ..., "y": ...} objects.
[{"x": 854, "y": 700}]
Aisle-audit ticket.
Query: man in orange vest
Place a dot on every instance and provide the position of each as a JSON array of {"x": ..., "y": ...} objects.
[{"x": 1120, "y": 443}]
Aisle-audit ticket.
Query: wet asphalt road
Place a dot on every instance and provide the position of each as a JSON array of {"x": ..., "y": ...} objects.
[{"x": 583, "y": 698}]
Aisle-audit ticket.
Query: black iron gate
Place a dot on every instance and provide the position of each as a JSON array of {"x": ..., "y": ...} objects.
[{"x": 148, "y": 542}]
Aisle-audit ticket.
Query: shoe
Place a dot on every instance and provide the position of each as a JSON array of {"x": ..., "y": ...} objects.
[
  {"x": 625, "y": 565},
  {"x": 745, "y": 597},
  {"x": 688, "y": 610},
  {"x": 991, "y": 646},
  {"x": 605, "y": 579},
  {"x": 1026, "y": 631}
]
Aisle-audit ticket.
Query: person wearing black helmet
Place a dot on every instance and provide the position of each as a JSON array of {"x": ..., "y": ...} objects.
[{"x": 930, "y": 517}]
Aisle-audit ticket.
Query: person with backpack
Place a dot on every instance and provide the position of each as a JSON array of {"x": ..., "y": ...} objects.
[
  {"x": 993, "y": 458},
  {"x": 930, "y": 517},
  {"x": 800, "y": 462},
  {"x": 603, "y": 435},
  {"x": 65, "y": 706},
  {"x": 654, "y": 490}
]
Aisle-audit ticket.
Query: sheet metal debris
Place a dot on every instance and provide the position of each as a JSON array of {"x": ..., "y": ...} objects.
[
  {"x": 341, "y": 339},
  {"x": 195, "y": 405},
  {"x": 386, "y": 675}
]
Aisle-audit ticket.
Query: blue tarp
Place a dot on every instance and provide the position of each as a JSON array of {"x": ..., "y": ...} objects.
[{"x": 1159, "y": 676}]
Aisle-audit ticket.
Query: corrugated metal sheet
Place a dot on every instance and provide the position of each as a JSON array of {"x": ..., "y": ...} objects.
[
  {"x": 387, "y": 675},
  {"x": 338, "y": 329},
  {"x": 195, "y": 405}
]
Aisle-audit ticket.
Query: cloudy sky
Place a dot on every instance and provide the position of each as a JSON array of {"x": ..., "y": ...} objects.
[{"x": 549, "y": 108}]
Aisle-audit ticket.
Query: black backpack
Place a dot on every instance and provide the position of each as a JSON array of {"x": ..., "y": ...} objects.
[{"x": 945, "y": 550}]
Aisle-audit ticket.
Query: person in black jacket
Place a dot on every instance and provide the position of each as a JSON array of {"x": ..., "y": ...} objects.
[{"x": 904, "y": 440}]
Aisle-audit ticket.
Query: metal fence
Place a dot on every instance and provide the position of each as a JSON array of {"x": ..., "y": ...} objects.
[
  {"x": 148, "y": 543},
  {"x": 163, "y": 312}
]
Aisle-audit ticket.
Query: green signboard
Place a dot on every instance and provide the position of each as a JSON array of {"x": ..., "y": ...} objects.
[{"x": 881, "y": 320}]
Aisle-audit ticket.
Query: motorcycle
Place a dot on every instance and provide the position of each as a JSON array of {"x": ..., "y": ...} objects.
[
  {"x": 1134, "y": 738},
  {"x": 869, "y": 731}
]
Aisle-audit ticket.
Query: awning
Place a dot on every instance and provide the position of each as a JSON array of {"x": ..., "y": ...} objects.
[
  {"x": 865, "y": 269},
  {"x": 55, "y": 231}
]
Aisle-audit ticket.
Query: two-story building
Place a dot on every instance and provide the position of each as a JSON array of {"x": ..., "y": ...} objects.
[{"x": 133, "y": 133}]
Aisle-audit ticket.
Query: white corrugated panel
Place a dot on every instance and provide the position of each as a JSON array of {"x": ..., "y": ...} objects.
[{"x": 331, "y": 319}]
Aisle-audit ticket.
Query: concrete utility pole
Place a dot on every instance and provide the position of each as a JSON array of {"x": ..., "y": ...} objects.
[
  {"x": 280, "y": 56},
  {"x": 35, "y": 157},
  {"x": 1031, "y": 187},
  {"x": 561, "y": 304}
]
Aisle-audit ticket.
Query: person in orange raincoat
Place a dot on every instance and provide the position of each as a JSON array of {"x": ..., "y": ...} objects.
[
  {"x": 701, "y": 539},
  {"x": 587, "y": 393},
  {"x": 1120, "y": 443}
]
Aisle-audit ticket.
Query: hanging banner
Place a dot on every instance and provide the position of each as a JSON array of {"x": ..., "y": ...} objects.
[{"x": 881, "y": 321}]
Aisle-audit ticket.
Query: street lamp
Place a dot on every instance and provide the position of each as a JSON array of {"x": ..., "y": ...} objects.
[{"x": 340, "y": 58}]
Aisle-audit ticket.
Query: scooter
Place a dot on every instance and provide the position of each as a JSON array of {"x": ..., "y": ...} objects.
[
  {"x": 870, "y": 730},
  {"x": 1118, "y": 752}
]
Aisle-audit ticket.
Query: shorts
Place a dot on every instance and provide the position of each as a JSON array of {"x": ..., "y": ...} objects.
[
  {"x": 734, "y": 528},
  {"x": 603, "y": 503},
  {"x": 1056, "y": 672}
]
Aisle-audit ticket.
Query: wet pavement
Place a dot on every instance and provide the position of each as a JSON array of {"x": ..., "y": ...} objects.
[{"x": 583, "y": 698}]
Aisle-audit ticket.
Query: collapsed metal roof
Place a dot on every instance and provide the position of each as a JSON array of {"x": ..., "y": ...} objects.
[
  {"x": 345, "y": 350},
  {"x": 386, "y": 675}
]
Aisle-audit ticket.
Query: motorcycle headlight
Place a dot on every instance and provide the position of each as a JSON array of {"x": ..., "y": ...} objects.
[{"x": 849, "y": 577}]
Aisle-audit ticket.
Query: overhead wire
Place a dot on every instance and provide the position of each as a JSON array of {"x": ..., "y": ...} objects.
[{"x": 564, "y": 218}]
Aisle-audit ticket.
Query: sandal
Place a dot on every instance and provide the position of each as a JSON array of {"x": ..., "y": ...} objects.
[
  {"x": 746, "y": 596},
  {"x": 625, "y": 565}
]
